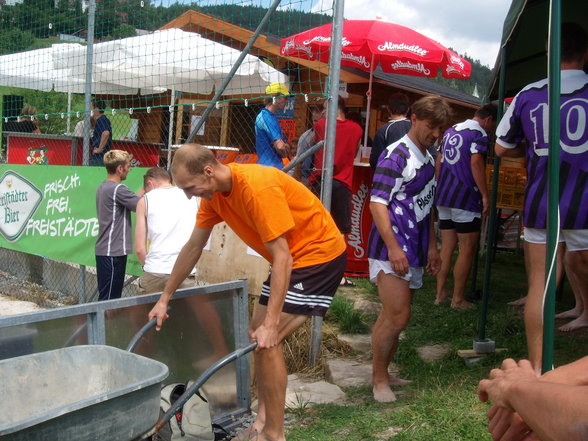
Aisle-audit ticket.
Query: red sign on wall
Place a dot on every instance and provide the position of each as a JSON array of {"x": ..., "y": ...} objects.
[
  {"x": 36, "y": 150},
  {"x": 142, "y": 154},
  {"x": 39, "y": 150}
]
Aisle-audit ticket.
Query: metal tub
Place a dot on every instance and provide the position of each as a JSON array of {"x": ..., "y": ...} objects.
[{"x": 79, "y": 393}]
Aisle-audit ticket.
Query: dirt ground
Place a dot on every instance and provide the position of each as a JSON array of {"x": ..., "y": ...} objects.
[{"x": 9, "y": 306}]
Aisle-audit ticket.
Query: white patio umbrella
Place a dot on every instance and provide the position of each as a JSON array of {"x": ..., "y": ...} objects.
[{"x": 172, "y": 59}]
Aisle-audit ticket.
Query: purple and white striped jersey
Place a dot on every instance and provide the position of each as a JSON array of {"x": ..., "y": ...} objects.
[
  {"x": 456, "y": 187},
  {"x": 527, "y": 118},
  {"x": 404, "y": 181}
]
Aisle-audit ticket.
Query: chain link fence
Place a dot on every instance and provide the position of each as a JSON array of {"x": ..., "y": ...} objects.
[{"x": 152, "y": 68}]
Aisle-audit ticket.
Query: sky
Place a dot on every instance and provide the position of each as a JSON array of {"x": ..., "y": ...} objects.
[{"x": 473, "y": 27}]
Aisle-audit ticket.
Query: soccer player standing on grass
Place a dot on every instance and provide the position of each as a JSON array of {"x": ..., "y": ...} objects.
[
  {"x": 527, "y": 119},
  {"x": 283, "y": 221},
  {"x": 402, "y": 241},
  {"x": 462, "y": 199}
]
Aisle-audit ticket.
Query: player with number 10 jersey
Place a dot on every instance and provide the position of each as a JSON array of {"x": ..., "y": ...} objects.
[{"x": 527, "y": 118}]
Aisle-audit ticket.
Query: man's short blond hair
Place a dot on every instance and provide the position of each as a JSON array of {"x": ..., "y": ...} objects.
[
  {"x": 114, "y": 158},
  {"x": 193, "y": 157}
]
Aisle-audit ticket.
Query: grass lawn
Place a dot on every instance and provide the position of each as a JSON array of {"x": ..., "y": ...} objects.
[{"x": 441, "y": 403}]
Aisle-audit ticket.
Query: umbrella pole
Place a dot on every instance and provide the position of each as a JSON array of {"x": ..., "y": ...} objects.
[{"x": 369, "y": 104}]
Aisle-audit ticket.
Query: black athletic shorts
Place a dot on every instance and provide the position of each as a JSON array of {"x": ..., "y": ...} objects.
[
  {"x": 473, "y": 226},
  {"x": 311, "y": 288}
]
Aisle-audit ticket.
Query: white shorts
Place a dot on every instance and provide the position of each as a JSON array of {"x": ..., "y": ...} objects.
[
  {"x": 414, "y": 275},
  {"x": 576, "y": 240},
  {"x": 457, "y": 214}
]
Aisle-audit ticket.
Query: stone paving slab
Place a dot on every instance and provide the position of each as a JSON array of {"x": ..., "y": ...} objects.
[{"x": 300, "y": 393}]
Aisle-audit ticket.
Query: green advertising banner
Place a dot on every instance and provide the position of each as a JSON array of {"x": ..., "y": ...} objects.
[{"x": 50, "y": 211}]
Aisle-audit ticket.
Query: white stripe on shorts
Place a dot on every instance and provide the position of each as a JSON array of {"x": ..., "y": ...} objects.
[{"x": 302, "y": 299}]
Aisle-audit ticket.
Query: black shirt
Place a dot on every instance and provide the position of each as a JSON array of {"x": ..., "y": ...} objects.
[
  {"x": 386, "y": 135},
  {"x": 24, "y": 126}
]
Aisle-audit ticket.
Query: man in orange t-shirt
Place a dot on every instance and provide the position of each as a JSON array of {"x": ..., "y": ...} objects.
[{"x": 283, "y": 221}]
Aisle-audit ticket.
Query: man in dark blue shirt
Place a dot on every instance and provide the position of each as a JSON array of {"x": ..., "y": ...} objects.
[
  {"x": 396, "y": 128},
  {"x": 102, "y": 137}
]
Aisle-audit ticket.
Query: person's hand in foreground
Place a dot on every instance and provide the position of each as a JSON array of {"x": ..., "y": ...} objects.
[
  {"x": 506, "y": 425},
  {"x": 497, "y": 387},
  {"x": 159, "y": 311}
]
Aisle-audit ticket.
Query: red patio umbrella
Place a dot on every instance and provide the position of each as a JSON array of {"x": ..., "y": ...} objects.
[{"x": 367, "y": 43}]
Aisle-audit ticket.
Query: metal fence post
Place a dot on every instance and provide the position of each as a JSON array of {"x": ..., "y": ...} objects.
[
  {"x": 82, "y": 296},
  {"x": 230, "y": 75},
  {"x": 553, "y": 164},
  {"x": 88, "y": 85},
  {"x": 327, "y": 179}
]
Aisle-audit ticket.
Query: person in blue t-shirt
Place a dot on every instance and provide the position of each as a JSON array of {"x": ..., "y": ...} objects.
[
  {"x": 269, "y": 142},
  {"x": 102, "y": 137}
]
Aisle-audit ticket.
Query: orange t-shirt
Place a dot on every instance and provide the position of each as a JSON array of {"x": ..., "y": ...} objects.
[{"x": 265, "y": 203}]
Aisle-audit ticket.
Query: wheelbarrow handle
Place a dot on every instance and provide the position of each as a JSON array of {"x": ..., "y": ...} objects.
[
  {"x": 195, "y": 387},
  {"x": 135, "y": 339}
]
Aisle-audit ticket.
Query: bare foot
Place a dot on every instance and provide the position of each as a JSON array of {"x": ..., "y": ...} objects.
[
  {"x": 518, "y": 302},
  {"x": 460, "y": 306},
  {"x": 248, "y": 434},
  {"x": 383, "y": 394},
  {"x": 570, "y": 314},
  {"x": 395, "y": 381},
  {"x": 442, "y": 300},
  {"x": 574, "y": 325}
]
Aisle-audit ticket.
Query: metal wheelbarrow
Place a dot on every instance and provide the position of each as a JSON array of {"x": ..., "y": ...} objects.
[{"x": 88, "y": 393}]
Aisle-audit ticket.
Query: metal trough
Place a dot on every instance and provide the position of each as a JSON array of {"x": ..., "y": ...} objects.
[{"x": 80, "y": 393}]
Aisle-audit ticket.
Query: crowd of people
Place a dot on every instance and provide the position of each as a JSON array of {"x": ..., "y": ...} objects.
[{"x": 305, "y": 243}]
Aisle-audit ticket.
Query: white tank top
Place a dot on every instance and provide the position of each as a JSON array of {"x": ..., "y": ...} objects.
[{"x": 171, "y": 218}]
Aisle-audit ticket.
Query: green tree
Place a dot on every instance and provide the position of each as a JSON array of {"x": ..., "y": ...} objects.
[
  {"x": 15, "y": 40},
  {"x": 107, "y": 18},
  {"x": 53, "y": 104},
  {"x": 123, "y": 30}
]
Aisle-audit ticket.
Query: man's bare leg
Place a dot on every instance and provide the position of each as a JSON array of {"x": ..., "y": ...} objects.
[
  {"x": 448, "y": 244},
  {"x": 395, "y": 296},
  {"x": 535, "y": 265},
  {"x": 570, "y": 261},
  {"x": 577, "y": 272},
  {"x": 271, "y": 377},
  {"x": 560, "y": 272},
  {"x": 468, "y": 245}
]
